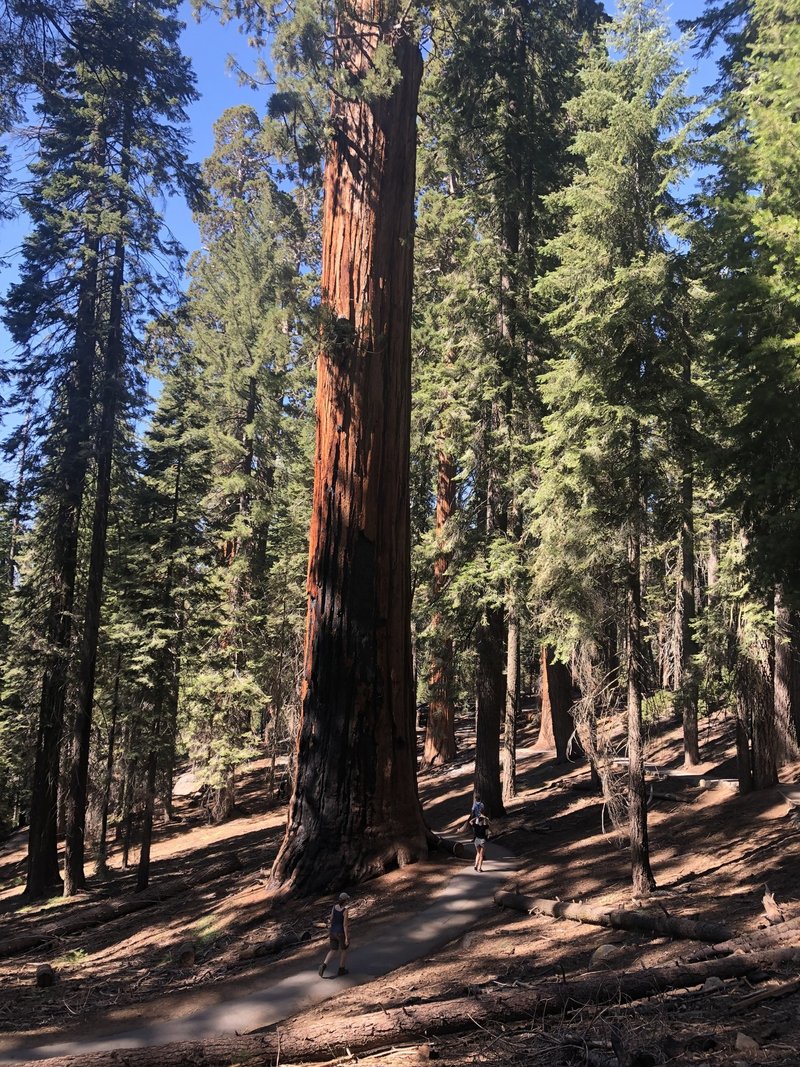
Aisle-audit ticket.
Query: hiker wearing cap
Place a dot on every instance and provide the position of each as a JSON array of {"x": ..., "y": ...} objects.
[{"x": 339, "y": 932}]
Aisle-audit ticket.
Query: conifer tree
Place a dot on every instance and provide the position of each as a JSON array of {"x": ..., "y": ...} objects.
[
  {"x": 610, "y": 390},
  {"x": 746, "y": 259},
  {"x": 246, "y": 299},
  {"x": 113, "y": 140},
  {"x": 494, "y": 106}
]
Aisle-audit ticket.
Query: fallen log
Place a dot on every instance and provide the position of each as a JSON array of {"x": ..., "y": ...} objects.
[
  {"x": 760, "y": 940},
  {"x": 109, "y": 910},
  {"x": 650, "y": 922},
  {"x": 309, "y": 1038}
]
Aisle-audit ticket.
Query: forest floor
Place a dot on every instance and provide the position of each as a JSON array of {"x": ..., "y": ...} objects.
[{"x": 713, "y": 852}]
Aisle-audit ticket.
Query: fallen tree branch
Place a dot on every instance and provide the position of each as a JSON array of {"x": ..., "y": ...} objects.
[
  {"x": 306, "y": 1038},
  {"x": 651, "y": 922},
  {"x": 773, "y": 993},
  {"x": 772, "y": 936},
  {"x": 108, "y": 910}
]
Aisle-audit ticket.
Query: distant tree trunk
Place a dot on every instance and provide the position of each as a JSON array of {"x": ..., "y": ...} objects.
[
  {"x": 785, "y": 682},
  {"x": 713, "y": 563},
  {"x": 440, "y": 737},
  {"x": 509, "y": 769},
  {"x": 744, "y": 763},
  {"x": 490, "y": 685},
  {"x": 509, "y": 761},
  {"x": 42, "y": 872},
  {"x": 756, "y": 735},
  {"x": 102, "y": 846},
  {"x": 557, "y": 725},
  {"x": 676, "y": 650},
  {"x": 490, "y": 688},
  {"x": 354, "y": 810},
  {"x": 74, "y": 875},
  {"x": 643, "y": 880},
  {"x": 688, "y": 679},
  {"x": 143, "y": 869},
  {"x": 765, "y": 736}
]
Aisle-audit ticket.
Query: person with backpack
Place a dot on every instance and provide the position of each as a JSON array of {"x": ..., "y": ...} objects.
[
  {"x": 480, "y": 831},
  {"x": 339, "y": 935}
]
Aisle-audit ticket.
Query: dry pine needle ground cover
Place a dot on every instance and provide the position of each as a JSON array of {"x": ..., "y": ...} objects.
[{"x": 713, "y": 854}]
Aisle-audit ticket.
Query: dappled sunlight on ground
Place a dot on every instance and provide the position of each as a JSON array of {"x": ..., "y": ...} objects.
[{"x": 712, "y": 854}]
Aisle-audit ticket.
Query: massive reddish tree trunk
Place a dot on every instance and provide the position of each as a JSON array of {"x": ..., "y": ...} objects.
[
  {"x": 440, "y": 736},
  {"x": 354, "y": 810},
  {"x": 557, "y": 725}
]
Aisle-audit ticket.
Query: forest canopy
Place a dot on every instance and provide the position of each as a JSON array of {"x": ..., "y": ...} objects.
[{"x": 482, "y": 385}]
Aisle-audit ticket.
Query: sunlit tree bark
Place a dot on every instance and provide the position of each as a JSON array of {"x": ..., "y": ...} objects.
[{"x": 354, "y": 810}]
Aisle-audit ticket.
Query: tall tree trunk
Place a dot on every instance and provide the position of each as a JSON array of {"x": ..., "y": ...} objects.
[
  {"x": 785, "y": 685},
  {"x": 756, "y": 735},
  {"x": 765, "y": 736},
  {"x": 509, "y": 770},
  {"x": 102, "y": 845},
  {"x": 354, "y": 810},
  {"x": 744, "y": 762},
  {"x": 440, "y": 736},
  {"x": 489, "y": 678},
  {"x": 143, "y": 868},
  {"x": 688, "y": 683},
  {"x": 643, "y": 880},
  {"x": 74, "y": 875},
  {"x": 557, "y": 725},
  {"x": 712, "y": 563},
  {"x": 509, "y": 761},
  {"x": 491, "y": 692},
  {"x": 42, "y": 871}
]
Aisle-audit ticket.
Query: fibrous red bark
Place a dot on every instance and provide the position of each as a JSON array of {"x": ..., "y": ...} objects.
[
  {"x": 354, "y": 810},
  {"x": 557, "y": 725},
  {"x": 440, "y": 737}
]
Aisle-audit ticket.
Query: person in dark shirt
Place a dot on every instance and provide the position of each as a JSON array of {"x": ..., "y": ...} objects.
[
  {"x": 339, "y": 934},
  {"x": 480, "y": 831}
]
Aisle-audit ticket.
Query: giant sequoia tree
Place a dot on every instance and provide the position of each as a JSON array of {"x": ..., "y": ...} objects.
[{"x": 354, "y": 810}]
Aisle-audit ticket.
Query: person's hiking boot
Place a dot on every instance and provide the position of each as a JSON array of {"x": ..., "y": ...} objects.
[
  {"x": 322, "y": 970},
  {"x": 343, "y": 970}
]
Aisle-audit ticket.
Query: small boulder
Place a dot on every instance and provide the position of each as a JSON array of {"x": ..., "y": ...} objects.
[
  {"x": 605, "y": 955},
  {"x": 185, "y": 954},
  {"x": 745, "y": 1043},
  {"x": 713, "y": 984},
  {"x": 45, "y": 976}
]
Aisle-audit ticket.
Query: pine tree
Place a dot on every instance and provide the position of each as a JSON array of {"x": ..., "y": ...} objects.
[
  {"x": 497, "y": 144},
  {"x": 245, "y": 301},
  {"x": 612, "y": 387},
  {"x": 87, "y": 270}
]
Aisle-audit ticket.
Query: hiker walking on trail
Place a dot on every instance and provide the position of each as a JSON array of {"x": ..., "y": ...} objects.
[
  {"x": 339, "y": 933},
  {"x": 480, "y": 830}
]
